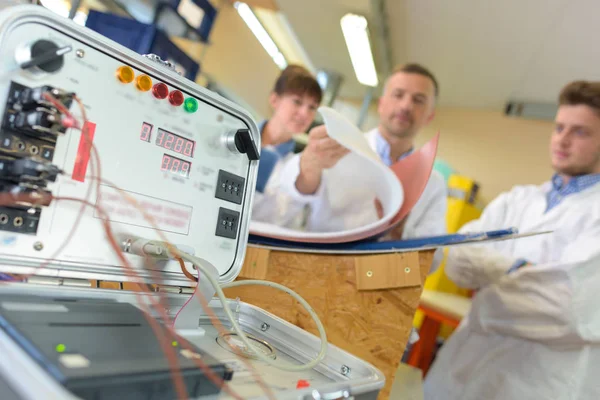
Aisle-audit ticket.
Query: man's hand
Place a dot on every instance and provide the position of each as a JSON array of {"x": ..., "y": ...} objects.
[{"x": 321, "y": 152}]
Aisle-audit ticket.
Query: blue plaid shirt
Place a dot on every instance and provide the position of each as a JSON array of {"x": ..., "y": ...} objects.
[
  {"x": 382, "y": 148},
  {"x": 576, "y": 184}
]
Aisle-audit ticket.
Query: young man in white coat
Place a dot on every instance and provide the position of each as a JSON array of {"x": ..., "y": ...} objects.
[
  {"x": 406, "y": 105},
  {"x": 533, "y": 331}
]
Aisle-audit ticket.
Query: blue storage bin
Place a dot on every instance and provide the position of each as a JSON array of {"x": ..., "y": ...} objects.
[
  {"x": 143, "y": 39},
  {"x": 210, "y": 14}
]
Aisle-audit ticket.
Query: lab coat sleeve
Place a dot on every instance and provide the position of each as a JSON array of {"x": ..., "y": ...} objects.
[
  {"x": 474, "y": 266},
  {"x": 555, "y": 304},
  {"x": 288, "y": 177},
  {"x": 281, "y": 204},
  {"x": 321, "y": 216},
  {"x": 276, "y": 208}
]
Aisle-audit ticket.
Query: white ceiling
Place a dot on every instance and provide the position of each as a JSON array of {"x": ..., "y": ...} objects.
[{"x": 482, "y": 51}]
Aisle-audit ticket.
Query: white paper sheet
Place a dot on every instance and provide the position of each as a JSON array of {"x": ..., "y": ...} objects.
[{"x": 353, "y": 184}]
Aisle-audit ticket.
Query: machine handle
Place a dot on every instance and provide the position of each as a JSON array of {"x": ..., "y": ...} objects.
[{"x": 245, "y": 145}]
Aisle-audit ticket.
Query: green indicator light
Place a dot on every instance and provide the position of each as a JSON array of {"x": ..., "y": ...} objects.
[
  {"x": 190, "y": 105},
  {"x": 60, "y": 348},
  {"x": 174, "y": 343}
]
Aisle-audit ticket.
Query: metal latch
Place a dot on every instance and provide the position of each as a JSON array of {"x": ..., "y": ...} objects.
[
  {"x": 340, "y": 394},
  {"x": 44, "y": 280},
  {"x": 165, "y": 63},
  {"x": 176, "y": 289}
]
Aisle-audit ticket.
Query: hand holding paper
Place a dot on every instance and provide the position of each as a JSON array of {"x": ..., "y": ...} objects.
[
  {"x": 321, "y": 152},
  {"x": 354, "y": 183}
]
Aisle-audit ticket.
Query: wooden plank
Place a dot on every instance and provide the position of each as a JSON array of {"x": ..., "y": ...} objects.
[
  {"x": 387, "y": 271},
  {"x": 374, "y": 325},
  {"x": 425, "y": 262},
  {"x": 256, "y": 263}
]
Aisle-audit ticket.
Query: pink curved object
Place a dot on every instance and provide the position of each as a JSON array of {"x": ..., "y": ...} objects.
[{"x": 414, "y": 172}]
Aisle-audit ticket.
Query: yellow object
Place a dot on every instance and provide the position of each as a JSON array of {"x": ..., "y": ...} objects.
[
  {"x": 125, "y": 74},
  {"x": 453, "y": 306},
  {"x": 143, "y": 83},
  {"x": 462, "y": 188},
  {"x": 462, "y": 194}
]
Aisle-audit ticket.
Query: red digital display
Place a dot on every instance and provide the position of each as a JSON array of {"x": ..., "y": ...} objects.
[
  {"x": 176, "y": 166},
  {"x": 146, "y": 132},
  {"x": 176, "y": 143}
]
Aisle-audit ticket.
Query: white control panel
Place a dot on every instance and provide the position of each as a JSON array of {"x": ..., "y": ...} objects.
[{"x": 184, "y": 154}]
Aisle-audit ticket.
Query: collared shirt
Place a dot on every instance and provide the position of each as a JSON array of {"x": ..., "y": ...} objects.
[
  {"x": 269, "y": 157},
  {"x": 576, "y": 184},
  {"x": 382, "y": 147}
]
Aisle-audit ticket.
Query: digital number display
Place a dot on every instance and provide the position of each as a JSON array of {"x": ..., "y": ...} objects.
[
  {"x": 176, "y": 143},
  {"x": 146, "y": 132},
  {"x": 176, "y": 166}
]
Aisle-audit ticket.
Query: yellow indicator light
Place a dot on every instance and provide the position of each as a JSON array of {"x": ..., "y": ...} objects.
[
  {"x": 174, "y": 343},
  {"x": 125, "y": 74},
  {"x": 143, "y": 83}
]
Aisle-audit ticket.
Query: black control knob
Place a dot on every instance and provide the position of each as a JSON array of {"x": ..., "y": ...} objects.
[
  {"x": 245, "y": 145},
  {"x": 46, "y": 55}
]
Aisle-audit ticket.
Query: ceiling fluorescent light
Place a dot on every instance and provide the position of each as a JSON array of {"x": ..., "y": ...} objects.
[
  {"x": 261, "y": 34},
  {"x": 354, "y": 28}
]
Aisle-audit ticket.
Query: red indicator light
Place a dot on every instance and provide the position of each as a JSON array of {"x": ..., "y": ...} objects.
[
  {"x": 160, "y": 91},
  {"x": 176, "y": 98}
]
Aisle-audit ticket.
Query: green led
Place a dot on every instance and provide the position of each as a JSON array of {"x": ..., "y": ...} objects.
[
  {"x": 60, "y": 348},
  {"x": 174, "y": 343},
  {"x": 190, "y": 105}
]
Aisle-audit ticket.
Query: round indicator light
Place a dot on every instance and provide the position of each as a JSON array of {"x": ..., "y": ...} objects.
[
  {"x": 60, "y": 348},
  {"x": 160, "y": 91},
  {"x": 125, "y": 74},
  {"x": 190, "y": 105},
  {"x": 176, "y": 98},
  {"x": 143, "y": 83},
  {"x": 174, "y": 343}
]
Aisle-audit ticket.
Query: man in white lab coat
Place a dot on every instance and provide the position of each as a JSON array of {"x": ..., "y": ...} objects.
[
  {"x": 406, "y": 105},
  {"x": 533, "y": 331}
]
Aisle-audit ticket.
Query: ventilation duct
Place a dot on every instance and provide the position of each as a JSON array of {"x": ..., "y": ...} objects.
[{"x": 531, "y": 110}]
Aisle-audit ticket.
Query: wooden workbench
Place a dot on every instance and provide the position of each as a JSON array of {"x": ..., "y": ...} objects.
[{"x": 366, "y": 302}]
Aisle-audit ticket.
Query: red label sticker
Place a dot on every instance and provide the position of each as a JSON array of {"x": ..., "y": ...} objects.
[{"x": 83, "y": 152}]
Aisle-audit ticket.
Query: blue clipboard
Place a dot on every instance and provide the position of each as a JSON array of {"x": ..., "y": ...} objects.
[{"x": 389, "y": 246}]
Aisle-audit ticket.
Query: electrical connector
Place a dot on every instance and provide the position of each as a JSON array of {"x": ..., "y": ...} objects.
[
  {"x": 28, "y": 170},
  {"x": 151, "y": 248}
]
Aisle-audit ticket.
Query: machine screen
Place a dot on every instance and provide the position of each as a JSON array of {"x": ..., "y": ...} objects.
[
  {"x": 176, "y": 143},
  {"x": 176, "y": 166}
]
